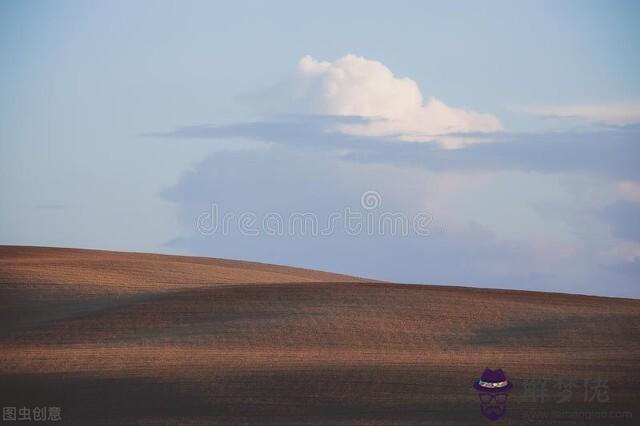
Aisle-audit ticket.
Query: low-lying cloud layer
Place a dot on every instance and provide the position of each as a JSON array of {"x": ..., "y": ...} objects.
[
  {"x": 616, "y": 114},
  {"x": 611, "y": 153}
]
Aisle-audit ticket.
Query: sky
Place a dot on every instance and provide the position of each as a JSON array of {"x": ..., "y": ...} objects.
[{"x": 491, "y": 144}]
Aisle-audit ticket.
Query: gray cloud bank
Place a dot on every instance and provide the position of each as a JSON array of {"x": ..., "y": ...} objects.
[{"x": 284, "y": 180}]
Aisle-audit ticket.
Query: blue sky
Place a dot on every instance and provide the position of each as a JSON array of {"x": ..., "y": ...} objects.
[{"x": 122, "y": 123}]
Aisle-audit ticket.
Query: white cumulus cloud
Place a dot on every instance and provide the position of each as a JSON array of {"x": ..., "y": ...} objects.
[{"x": 396, "y": 109}]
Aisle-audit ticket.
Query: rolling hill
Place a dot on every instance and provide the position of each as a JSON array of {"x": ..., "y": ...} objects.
[{"x": 130, "y": 338}]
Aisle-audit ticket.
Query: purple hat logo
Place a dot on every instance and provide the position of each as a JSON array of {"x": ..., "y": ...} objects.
[{"x": 493, "y": 388}]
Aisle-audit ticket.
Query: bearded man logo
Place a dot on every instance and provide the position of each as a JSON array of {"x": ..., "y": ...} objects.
[{"x": 493, "y": 388}]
